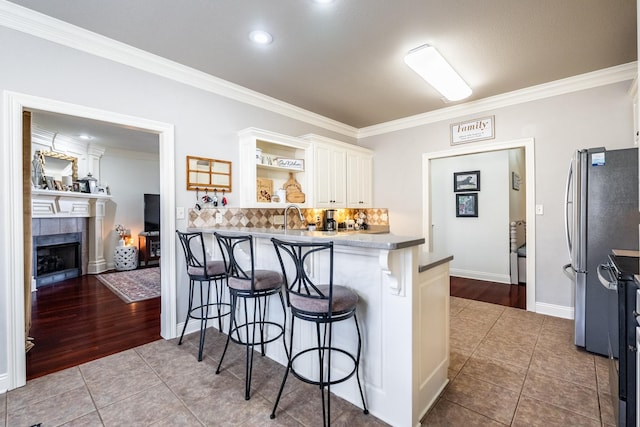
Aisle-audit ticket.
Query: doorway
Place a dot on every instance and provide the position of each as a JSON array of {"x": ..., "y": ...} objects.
[
  {"x": 13, "y": 200},
  {"x": 528, "y": 146}
]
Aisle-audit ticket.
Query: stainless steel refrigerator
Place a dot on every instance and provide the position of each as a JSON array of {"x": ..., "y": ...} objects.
[{"x": 601, "y": 214}]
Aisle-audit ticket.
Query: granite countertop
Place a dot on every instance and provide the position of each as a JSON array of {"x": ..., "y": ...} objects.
[
  {"x": 432, "y": 259},
  {"x": 362, "y": 239}
]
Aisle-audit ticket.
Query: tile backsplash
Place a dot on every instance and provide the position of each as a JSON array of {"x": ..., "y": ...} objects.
[{"x": 264, "y": 217}]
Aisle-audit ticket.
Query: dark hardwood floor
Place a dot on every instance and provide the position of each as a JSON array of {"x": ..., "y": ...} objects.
[
  {"x": 79, "y": 320},
  {"x": 496, "y": 293}
]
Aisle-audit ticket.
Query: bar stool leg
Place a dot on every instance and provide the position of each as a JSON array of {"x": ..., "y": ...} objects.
[
  {"x": 249, "y": 348},
  {"x": 286, "y": 373},
  {"x": 364, "y": 405},
  {"x": 186, "y": 320},
  {"x": 204, "y": 314},
  {"x": 234, "y": 299}
]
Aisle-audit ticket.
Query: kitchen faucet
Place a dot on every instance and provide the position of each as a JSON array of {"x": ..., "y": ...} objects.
[{"x": 286, "y": 211}]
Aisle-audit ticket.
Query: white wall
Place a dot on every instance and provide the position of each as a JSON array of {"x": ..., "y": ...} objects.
[
  {"x": 596, "y": 117},
  {"x": 480, "y": 246},
  {"x": 129, "y": 175}
]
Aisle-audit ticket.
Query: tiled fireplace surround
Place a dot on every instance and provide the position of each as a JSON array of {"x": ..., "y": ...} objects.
[
  {"x": 49, "y": 226},
  {"x": 264, "y": 218}
]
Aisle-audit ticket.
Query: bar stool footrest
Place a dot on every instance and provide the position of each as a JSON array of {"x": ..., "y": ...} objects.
[
  {"x": 212, "y": 307},
  {"x": 324, "y": 383},
  {"x": 238, "y": 339}
]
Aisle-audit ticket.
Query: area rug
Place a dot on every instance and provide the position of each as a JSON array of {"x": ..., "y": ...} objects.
[{"x": 133, "y": 285}]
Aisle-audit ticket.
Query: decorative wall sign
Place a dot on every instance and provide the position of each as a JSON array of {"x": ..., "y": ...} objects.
[{"x": 472, "y": 130}]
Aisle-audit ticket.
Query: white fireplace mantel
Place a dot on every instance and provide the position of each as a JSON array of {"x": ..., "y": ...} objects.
[
  {"x": 66, "y": 204},
  {"x": 70, "y": 204}
]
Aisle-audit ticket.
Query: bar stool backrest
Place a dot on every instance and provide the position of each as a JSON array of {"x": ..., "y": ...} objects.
[
  {"x": 298, "y": 282},
  {"x": 233, "y": 249},
  {"x": 194, "y": 253}
]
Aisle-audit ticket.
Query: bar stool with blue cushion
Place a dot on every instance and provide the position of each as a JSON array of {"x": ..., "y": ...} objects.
[
  {"x": 247, "y": 284},
  {"x": 203, "y": 271},
  {"x": 322, "y": 304}
]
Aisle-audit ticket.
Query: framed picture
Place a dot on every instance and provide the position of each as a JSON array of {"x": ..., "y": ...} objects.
[
  {"x": 83, "y": 186},
  {"x": 51, "y": 185},
  {"x": 58, "y": 185},
  {"x": 467, "y": 205},
  {"x": 76, "y": 187},
  {"x": 466, "y": 181},
  {"x": 515, "y": 181}
]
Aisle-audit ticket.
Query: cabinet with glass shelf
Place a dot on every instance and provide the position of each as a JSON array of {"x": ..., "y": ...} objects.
[{"x": 261, "y": 155}]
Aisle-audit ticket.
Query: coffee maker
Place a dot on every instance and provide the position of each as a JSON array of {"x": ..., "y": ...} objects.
[{"x": 329, "y": 222}]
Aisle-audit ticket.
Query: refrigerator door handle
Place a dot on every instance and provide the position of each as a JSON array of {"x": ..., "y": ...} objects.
[
  {"x": 568, "y": 270},
  {"x": 567, "y": 203},
  {"x": 608, "y": 282}
]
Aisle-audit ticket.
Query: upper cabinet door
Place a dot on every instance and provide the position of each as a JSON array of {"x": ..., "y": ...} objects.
[
  {"x": 359, "y": 180},
  {"x": 330, "y": 176}
]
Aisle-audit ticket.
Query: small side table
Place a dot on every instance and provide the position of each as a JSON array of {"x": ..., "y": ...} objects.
[{"x": 126, "y": 258}]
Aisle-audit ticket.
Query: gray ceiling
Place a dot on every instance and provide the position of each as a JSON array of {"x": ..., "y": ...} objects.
[{"x": 345, "y": 60}]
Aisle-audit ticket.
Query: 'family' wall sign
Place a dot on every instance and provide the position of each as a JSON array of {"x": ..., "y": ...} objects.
[{"x": 472, "y": 130}]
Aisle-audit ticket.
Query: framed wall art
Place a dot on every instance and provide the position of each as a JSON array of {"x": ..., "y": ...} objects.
[
  {"x": 467, "y": 205},
  {"x": 515, "y": 181},
  {"x": 466, "y": 181}
]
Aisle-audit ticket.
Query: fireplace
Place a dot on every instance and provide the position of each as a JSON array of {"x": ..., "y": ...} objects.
[{"x": 56, "y": 257}]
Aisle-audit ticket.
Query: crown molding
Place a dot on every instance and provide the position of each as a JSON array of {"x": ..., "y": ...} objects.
[
  {"x": 46, "y": 27},
  {"x": 590, "y": 80},
  {"x": 43, "y": 26}
]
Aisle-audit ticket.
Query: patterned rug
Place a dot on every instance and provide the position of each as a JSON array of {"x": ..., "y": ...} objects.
[{"x": 133, "y": 285}]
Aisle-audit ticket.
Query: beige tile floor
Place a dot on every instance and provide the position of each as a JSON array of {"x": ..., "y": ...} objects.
[
  {"x": 508, "y": 367},
  {"x": 513, "y": 367}
]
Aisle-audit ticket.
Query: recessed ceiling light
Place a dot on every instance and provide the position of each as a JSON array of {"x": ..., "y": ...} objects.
[
  {"x": 85, "y": 137},
  {"x": 260, "y": 37},
  {"x": 323, "y": 1}
]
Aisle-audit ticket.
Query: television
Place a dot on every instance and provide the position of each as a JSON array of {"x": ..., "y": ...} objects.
[{"x": 151, "y": 212}]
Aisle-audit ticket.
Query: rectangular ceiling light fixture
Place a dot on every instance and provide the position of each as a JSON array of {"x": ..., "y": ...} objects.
[{"x": 431, "y": 66}]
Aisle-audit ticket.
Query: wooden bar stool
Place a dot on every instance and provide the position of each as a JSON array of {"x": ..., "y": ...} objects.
[
  {"x": 247, "y": 284},
  {"x": 204, "y": 272},
  {"x": 322, "y": 304}
]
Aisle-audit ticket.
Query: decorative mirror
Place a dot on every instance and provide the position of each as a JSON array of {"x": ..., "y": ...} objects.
[
  {"x": 208, "y": 174},
  {"x": 58, "y": 165}
]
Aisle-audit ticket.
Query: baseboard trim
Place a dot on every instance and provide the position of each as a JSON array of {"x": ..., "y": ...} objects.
[
  {"x": 4, "y": 382},
  {"x": 555, "y": 310},
  {"x": 480, "y": 275}
]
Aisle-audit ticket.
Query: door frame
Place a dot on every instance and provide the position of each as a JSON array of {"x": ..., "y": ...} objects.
[
  {"x": 11, "y": 248},
  {"x": 529, "y": 148}
]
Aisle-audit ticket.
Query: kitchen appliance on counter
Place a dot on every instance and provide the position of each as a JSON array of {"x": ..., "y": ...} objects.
[
  {"x": 329, "y": 221},
  {"x": 601, "y": 212},
  {"x": 618, "y": 276}
]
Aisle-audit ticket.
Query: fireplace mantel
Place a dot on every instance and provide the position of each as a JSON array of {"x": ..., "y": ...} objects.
[
  {"x": 70, "y": 204},
  {"x": 65, "y": 204}
]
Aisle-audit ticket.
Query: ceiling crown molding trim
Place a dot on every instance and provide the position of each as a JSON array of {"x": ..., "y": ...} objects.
[
  {"x": 46, "y": 27},
  {"x": 590, "y": 80}
]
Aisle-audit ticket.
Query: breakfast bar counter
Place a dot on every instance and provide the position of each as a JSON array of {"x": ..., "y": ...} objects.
[{"x": 403, "y": 311}]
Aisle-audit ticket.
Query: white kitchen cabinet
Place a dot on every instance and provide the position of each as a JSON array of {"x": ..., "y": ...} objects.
[
  {"x": 342, "y": 174},
  {"x": 359, "y": 179},
  {"x": 330, "y": 176},
  {"x": 259, "y": 151}
]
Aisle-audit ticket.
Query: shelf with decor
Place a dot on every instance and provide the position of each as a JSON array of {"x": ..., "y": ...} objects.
[{"x": 270, "y": 162}]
